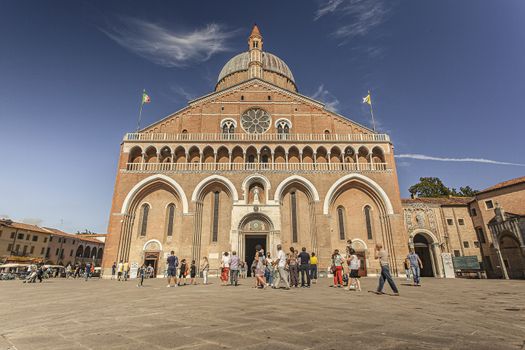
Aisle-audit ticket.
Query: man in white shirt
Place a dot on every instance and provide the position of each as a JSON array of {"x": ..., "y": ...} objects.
[{"x": 281, "y": 266}]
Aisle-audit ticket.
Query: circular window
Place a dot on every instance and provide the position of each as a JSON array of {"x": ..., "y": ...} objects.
[{"x": 256, "y": 121}]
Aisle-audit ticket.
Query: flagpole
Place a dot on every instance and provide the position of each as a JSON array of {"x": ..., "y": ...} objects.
[
  {"x": 140, "y": 110},
  {"x": 372, "y": 112}
]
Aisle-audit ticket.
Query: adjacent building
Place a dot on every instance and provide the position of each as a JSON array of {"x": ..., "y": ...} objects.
[
  {"x": 25, "y": 243},
  {"x": 440, "y": 225},
  {"x": 498, "y": 216}
]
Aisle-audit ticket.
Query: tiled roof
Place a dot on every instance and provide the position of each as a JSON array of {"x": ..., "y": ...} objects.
[
  {"x": 503, "y": 184},
  {"x": 438, "y": 200},
  {"x": 49, "y": 231},
  {"x": 27, "y": 227}
]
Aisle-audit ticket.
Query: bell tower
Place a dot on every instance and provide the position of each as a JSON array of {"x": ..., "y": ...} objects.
[{"x": 255, "y": 43}]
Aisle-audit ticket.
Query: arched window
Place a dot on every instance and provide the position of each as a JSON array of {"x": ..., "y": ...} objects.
[
  {"x": 341, "y": 222},
  {"x": 228, "y": 126},
  {"x": 368, "y": 219},
  {"x": 144, "y": 219},
  {"x": 293, "y": 207},
  {"x": 215, "y": 227},
  {"x": 283, "y": 126},
  {"x": 170, "y": 216}
]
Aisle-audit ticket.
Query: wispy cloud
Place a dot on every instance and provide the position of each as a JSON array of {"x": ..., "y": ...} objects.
[
  {"x": 327, "y": 7},
  {"x": 464, "y": 160},
  {"x": 179, "y": 90},
  {"x": 166, "y": 47},
  {"x": 359, "y": 16},
  {"x": 331, "y": 102}
]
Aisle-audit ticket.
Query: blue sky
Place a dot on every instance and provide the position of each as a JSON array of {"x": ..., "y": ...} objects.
[{"x": 447, "y": 79}]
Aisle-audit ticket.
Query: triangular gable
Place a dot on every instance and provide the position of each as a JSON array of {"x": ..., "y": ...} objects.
[{"x": 245, "y": 84}]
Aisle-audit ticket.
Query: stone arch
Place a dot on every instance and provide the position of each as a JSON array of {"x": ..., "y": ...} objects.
[
  {"x": 362, "y": 154},
  {"x": 256, "y": 178},
  {"x": 208, "y": 155},
  {"x": 165, "y": 155},
  {"x": 194, "y": 155},
  {"x": 381, "y": 194},
  {"x": 378, "y": 155},
  {"x": 100, "y": 253},
  {"x": 308, "y": 155},
  {"x": 427, "y": 248},
  {"x": 150, "y": 243},
  {"x": 135, "y": 155},
  {"x": 80, "y": 251},
  {"x": 237, "y": 155},
  {"x": 87, "y": 252},
  {"x": 198, "y": 191},
  {"x": 150, "y": 155},
  {"x": 296, "y": 178},
  {"x": 279, "y": 155},
  {"x": 429, "y": 235},
  {"x": 179, "y": 155},
  {"x": 253, "y": 216},
  {"x": 360, "y": 246},
  {"x": 151, "y": 180}
]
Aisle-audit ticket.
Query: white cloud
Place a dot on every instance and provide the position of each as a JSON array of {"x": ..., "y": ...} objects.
[
  {"x": 165, "y": 47},
  {"x": 444, "y": 159},
  {"x": 359, "y": 16},
  {"x": 327, "y": 8},
  {"x": 179, "y": 90},
  {"x": 331, "y": 102}
]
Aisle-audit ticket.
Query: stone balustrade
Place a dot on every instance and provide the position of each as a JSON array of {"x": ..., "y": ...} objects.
[{"x": 259, "y": 167}]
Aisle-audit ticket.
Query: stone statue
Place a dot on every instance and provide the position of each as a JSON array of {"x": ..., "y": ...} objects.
[{"x": 256, "y": 195}]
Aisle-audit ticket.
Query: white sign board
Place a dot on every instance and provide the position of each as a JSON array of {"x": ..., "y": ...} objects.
[
  {"x": 448, "y": 266},
  {"x": 133, "y": 270}
]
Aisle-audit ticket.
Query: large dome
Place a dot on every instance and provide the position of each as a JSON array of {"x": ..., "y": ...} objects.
[{"x": 270, "y": 62}]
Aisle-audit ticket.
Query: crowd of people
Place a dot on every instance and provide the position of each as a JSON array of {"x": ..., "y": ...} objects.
[{"x": 292, "y": 269}]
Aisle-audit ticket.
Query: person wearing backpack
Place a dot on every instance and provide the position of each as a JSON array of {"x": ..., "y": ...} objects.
[{"x": 354, "y": 264}]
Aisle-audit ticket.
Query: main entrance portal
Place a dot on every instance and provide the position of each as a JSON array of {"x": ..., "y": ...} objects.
[{"x": 250, "y": 242}]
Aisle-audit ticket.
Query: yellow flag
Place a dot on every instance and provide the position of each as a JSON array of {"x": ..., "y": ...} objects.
[{"x": 367, "y": 99}]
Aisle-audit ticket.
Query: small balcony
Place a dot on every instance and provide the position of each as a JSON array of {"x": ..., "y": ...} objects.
[
  {"x": 259, "y": 167},
  {"x": 245, "y": 137}
]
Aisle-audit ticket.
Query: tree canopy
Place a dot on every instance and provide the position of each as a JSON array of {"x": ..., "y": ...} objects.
[{"x": 434, "y": 187}]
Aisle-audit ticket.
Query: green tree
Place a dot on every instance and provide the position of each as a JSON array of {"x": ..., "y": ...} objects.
[
  {"x": 430, "y": 187},
  {"x": 434, "y": 187}
]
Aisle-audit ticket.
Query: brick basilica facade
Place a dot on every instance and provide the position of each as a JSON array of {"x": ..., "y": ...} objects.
[{"x": 255, "y": 162}]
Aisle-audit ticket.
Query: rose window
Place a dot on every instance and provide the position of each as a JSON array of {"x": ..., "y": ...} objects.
[{"x": 256, "y": 121}]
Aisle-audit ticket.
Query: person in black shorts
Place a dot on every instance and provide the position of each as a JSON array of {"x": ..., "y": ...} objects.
[
  {"x": 183, "y": 272},
  {"x": 173, "y": 262},
  {"x": 193, "y": 272}
]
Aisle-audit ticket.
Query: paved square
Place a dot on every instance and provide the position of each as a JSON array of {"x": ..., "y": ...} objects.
[{"x": 102, "y": 314}]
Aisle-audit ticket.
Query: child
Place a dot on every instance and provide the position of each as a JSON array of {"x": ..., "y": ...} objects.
[
  {"x": 141, "y": 273},
  {"x": 183, "y": 271},
  {"x": 193, "y": 272}
]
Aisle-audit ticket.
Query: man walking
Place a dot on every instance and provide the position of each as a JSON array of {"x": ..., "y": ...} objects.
[
  {"x": 304, "y": 267},
  {"x": 113, "y": 270},
  {"x": 281, "y": 267},
  {"x": 294, "y": 272},
  {"x": 87, "y": 272},
  {"x": 382, "y": 256},
  {"x": 415, "y": 266},
  {"x": 234, "y": 269},
  {"x": 120, "y": 269},
  {"x": 172, "y": 262}
]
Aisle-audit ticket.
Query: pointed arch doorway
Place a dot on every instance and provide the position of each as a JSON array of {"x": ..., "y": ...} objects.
[{"x": 254, "y": 229}]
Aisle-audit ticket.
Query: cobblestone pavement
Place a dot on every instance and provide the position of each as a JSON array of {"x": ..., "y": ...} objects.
[{"x": 103, "y": 314}]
